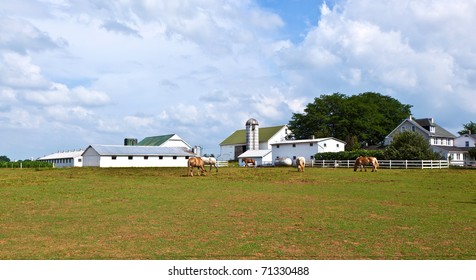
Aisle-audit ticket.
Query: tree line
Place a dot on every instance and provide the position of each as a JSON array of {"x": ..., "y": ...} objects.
[{"x": 364, "y": 120}]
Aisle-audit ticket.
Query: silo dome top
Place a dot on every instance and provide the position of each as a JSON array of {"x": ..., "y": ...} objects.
[{"x": 252, "y": 122}]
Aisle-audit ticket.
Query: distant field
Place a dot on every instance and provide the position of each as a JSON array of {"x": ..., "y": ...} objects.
[{"x": 239, "y": 213}]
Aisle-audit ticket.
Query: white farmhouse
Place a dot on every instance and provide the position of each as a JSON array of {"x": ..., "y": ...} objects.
[
  {"x": 135, "y": 156},
  {"x": 441, "y": 140},
  {"x": 306, "y": 148}
]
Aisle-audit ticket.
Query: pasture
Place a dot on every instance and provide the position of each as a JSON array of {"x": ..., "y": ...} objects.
[{"x": 237, "y": 213}]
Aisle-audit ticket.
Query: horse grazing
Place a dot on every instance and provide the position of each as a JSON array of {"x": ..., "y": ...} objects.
[
  {"x": 248, "y": 161},
  {"x": 301, "y": 163},
  {"x": 362, "y": 161},
  {"x": 198, "y": 163},
  {"x": 210, "y": 161}
]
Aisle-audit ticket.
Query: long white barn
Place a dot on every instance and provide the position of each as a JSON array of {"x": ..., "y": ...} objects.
[{"x": 135, "y": 156}]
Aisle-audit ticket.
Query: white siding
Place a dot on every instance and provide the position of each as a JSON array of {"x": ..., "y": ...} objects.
[
  {"x": 307, "y": 149},
  {"x": 141, "y": 161}
]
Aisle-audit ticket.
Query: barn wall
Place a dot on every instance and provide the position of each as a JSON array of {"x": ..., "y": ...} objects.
[
  {"x": 140, "y": 161},
  {"x": 90, "y": 158},
  {"x": 286, "y": 150}
]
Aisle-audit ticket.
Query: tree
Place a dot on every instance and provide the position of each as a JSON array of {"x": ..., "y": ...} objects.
[
  {"x": 410, "y": 145},
  {"x": 4, "y": 159},
  {"x": 472, "y": 153},
  {"x": 469, "y": 128},
  {"x": 367, "y": 117}
]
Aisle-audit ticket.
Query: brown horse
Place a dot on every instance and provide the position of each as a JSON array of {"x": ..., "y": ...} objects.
[
  {"x": 249, "y": 161},
  {"x": 362, "y": 161},
  {"x": 198, "y": 163},
  {"x": 301, "y": 163}
]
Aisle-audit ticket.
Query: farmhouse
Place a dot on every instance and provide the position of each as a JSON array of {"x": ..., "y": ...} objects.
[
  {"x": 135, "y": 156},
  {"x": 306, "y": 148},
  {"x": 236, "y": 144},
  {"x": 440, "y": 139},
  {"x": 64, "y": 159}
]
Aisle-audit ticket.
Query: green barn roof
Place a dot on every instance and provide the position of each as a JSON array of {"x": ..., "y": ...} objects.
[
  {"x": 155, "y": 140},
  {"x": 239, "y": 136}
]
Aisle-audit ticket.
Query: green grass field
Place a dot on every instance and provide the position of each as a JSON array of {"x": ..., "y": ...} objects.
[{"x": 238, "y": 213}]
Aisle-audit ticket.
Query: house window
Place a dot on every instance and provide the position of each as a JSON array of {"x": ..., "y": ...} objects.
[
  {"x": 175, "y": 157},
  {"x": 79, "y": 160},
  {"x": 432, "y": 129},
  {"x": 187, "y": 157},
  {"x": 161, "y": 157},
  {"x": 146, "y": 157},
  {"x": 337, "y": 145},
  {"x": 113, "y": 157},
  {"x": 294, "y": 157},
  {"x": 325, "y": 144},
  {"x": 311, "y": 144},
  {"x": 130, "y": 157},
  {"x": 294, "y": 145},
  {"x": 466, "y": 144},
  {"x": 312, "y": 157},
  {"x": 413, "y": 128},
  {"x": 277, "y": 146}
]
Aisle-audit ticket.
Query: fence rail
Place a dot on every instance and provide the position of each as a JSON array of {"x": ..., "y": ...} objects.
[
  {"x": 222, "y": 163},
  {"x": 390, "y": 164}
]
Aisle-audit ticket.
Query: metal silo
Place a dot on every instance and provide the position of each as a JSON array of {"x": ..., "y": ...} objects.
[{"x": 252, "y": 135}]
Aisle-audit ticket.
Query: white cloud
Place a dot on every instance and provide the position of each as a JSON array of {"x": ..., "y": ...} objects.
[{"x": 115, "y": 68}]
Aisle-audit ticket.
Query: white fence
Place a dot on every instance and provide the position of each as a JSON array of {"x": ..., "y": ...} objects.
[
  {"x": 390, "y": 164},
  {"x": 222, "y": 163}
]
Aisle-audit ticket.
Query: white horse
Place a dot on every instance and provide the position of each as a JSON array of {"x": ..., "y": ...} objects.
[
  {"x": 210, "y": 161},
  {"x": 301, "y": 163}
]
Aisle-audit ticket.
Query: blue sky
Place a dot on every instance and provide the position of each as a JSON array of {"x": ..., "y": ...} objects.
[{"x": 95, "y": 72}]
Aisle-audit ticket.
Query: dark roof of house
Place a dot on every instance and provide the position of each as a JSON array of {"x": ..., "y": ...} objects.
[
  {"x": 439, "y": 131},
  {"x": 155, "y": 140},
  {"x": 239, "y": 136}
]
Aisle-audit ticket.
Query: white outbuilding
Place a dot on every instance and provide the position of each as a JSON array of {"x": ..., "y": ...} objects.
[
  {"x": 64, "y": 158},
  {"x": 135, "y": 156},
  {"x": 306, "y": 148}
]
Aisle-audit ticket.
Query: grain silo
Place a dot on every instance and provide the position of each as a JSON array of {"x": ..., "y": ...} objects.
[{"x": 252, "y": 135}]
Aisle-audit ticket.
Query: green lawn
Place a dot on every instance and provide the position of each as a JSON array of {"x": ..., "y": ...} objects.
[{"x": 238, "y": 213}]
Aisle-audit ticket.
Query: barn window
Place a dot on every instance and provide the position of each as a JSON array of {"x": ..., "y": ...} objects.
[
  {"x": 325, "y": 144},
  {"x": 277, "y": 146},
  {"x": 79, "y": 160},
  {"x": 113, "y": 157},
  {"x": 175, "y": 157},
  {"x": 294, "y": 145},
  {"x": 130, "y": 157},
  {"x": 146, "y": 157},
  {"x": 311, "y": 144},
  {"x": 161, "y": 157},
  {"x": 337, "y": 145}
]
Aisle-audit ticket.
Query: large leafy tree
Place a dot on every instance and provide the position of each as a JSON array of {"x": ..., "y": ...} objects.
[
  {"x": 411, "y": 146},
  {"x": 469, "y": 128},
  {"x": 367, "y": 117},
  {"x": 4, "y": 159}
]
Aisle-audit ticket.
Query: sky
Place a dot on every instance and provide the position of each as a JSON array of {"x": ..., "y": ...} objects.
[{"x": 75, "y": 73}]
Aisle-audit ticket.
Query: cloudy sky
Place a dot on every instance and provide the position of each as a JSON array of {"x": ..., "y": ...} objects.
[{"x": 74, "y": 73}]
